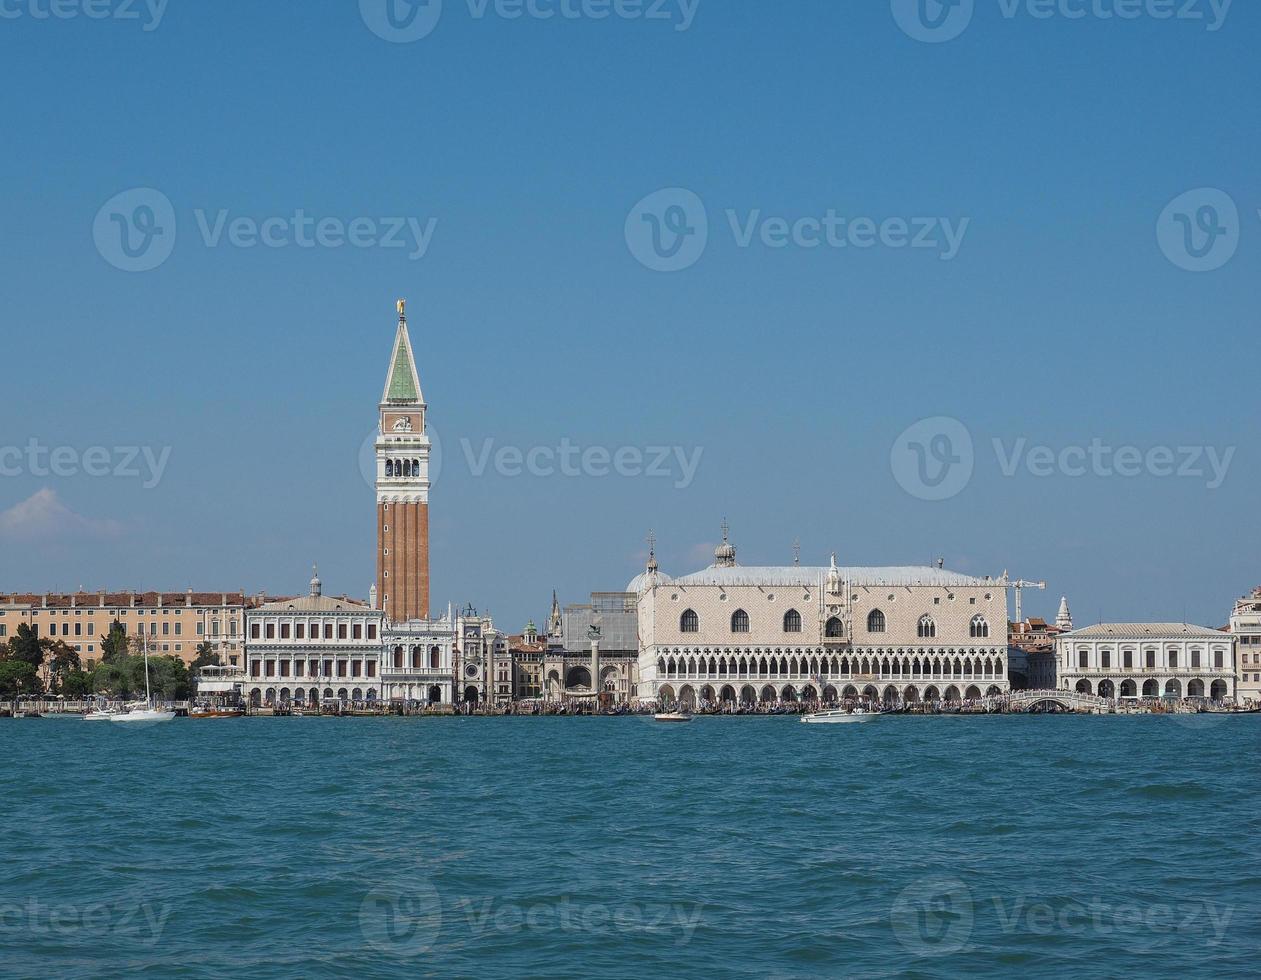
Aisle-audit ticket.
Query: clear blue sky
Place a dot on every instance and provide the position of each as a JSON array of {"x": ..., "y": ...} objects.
[{"x": 529, "y": 141}]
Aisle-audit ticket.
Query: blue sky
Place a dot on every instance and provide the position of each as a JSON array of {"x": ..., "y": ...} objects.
[{"x": 1054, "y": 144}]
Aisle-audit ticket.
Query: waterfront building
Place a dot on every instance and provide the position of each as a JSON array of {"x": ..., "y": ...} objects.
[
  {"x": 1245, "y": 625},
  {"x": 313, "y": 648},
  {"x": 402, "y": 487},
  {"x": 527, "y": 651},
  {"x": 483, "y": 661},
  {"x": 175, "y": 623},
  {"x": 730, "y": 633},
  {"x": 418, "y": 662},
  {"x": 567, "y": 662},
  {"x": 1148, "y": 660}
]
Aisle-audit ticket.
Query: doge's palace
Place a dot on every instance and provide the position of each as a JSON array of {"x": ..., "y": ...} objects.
[{"x": 731, "y": 633}]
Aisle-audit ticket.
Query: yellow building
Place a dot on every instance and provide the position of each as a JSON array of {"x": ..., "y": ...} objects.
[{"x": 174, "y": 622}]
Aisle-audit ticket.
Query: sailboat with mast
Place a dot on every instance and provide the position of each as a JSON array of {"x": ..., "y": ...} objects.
[{"x": 148, "y": 712}]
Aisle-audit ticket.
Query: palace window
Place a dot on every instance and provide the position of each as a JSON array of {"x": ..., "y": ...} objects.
[
  {"x": 792, "y": 621},
  {"x": 927, "y": 628},
  {"x": 689, "y": 622},
  {"x": 1195, "y": 659},
  {"x": 1173, "y": 659},
  {"x": 1105, "y": 659},
  {"x": 980, "y": 628},
  {"x": 1083, "y": 659},
  {"x": 875, "y": 621},
  {"x": 834, "y": 628},
  {"x": 739, "y": 621},
  {"x": 1151, "y": 659},
  {"x": 1127, "y": 659}
]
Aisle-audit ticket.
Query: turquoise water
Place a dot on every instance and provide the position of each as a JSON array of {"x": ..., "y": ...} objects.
[{"x": 928, "y": 847}]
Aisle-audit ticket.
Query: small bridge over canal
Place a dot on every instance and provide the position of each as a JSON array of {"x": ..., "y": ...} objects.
[{"x": 1044, "y": 700}]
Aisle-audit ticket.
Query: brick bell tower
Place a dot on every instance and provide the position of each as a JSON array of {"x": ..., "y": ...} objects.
[{"x": 402, "y": 451}]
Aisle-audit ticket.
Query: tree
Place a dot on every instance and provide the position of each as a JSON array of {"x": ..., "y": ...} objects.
[
  {"x": 76, "y": 684},
  {"x": 206, "y": 657},
  {"x": 26, "y": 646},
  {"x": 17, "y": 677},
  {"x": 62, "y": 659},
  {"x": 114, "y": 647}
]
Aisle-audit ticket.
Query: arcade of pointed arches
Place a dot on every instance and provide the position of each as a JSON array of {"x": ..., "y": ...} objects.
[
  {"x": 692, "y": 696},
  {"x": 900, "y": 665}
]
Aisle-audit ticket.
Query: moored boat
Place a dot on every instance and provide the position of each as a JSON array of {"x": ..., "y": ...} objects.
[
  {"x": 839, "y": 716},
  {"x": 672, "y": 716}
]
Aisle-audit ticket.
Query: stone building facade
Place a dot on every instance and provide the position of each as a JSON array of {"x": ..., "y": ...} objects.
[
  {"x": 1148, "y": 660},
  {"x": 314, "y": 648},
  {"x": 731, "y": 633},
  {"x": 1245, "y": 625},
  {"x": 175, "y": 623}
]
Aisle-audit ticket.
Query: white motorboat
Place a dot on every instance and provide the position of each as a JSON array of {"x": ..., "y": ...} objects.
[
  {"x": 105, "y": 714},
  {"x": 839, "y": 716},
  {"x": 674, "y": 716}
]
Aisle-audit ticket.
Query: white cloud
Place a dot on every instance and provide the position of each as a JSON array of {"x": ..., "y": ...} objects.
[{"x": 43, "y": 516}]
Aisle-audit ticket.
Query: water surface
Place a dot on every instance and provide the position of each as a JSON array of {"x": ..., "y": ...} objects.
[{"x": 559, "y": 847}]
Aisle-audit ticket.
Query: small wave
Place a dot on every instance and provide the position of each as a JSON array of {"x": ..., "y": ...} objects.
[{"x": 1171, "y": 791}]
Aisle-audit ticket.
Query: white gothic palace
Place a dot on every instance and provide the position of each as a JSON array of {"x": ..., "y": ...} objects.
[{"x": 788, "y": 633}]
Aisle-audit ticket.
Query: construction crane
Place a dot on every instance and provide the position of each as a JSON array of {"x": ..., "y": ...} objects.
[{"x": 1019, "y": 586}]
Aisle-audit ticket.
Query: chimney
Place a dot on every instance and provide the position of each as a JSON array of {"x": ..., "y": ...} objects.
[
  {"x": 160, "y": 598},
  {"x": 102, "y": 598},
  {"x": 45, "y": 600},
  {"x": 131, "y": 598},
  {"x": 74, "y": 601},
  {"x": 188, "y": 599}
]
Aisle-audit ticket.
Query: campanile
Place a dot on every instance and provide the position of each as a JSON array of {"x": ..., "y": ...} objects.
[{"x": 402, "y": 455}]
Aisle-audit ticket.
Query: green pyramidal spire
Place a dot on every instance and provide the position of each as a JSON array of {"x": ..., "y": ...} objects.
[{"x": 402, "y": 386}]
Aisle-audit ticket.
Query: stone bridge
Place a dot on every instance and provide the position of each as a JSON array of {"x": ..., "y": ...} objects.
[{"x": 1067, "y": 700}]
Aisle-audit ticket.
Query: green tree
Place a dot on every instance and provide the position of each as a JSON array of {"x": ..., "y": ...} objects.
[
  {"x": 26, "y": 646},
  {"x": 206, "y": 657},
  {"x": 76, "y": 684},
  {"x": 17, "y": 677},
  {"x": 62, "y": 659},
  {"x": 114, "y": 647}
]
